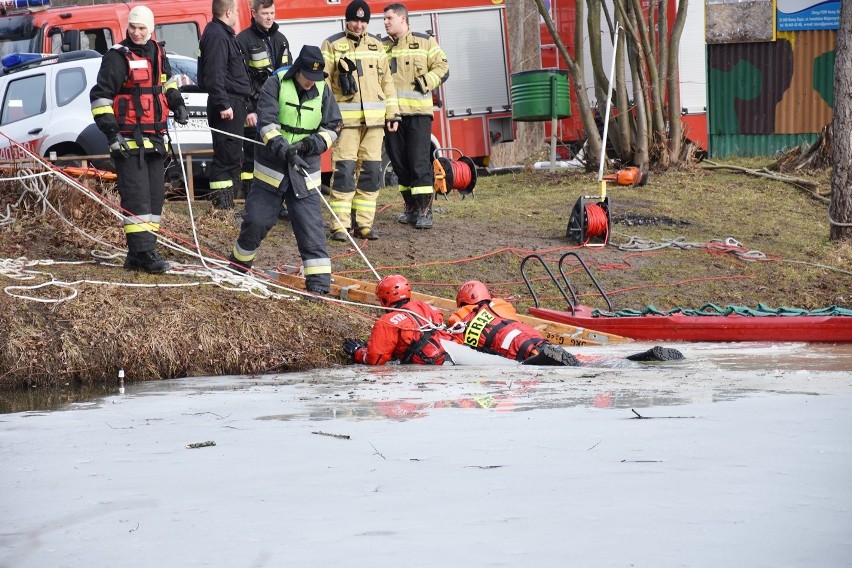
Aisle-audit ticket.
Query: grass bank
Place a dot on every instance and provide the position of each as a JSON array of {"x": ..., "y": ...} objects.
[{"x": 687, "y": 238}]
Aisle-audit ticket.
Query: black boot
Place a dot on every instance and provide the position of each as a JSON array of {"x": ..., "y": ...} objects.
[
  {"x": 409, "y": 216},
  {"x": 551, "y": 355},
  {"x": 239, "y": 265},
  {"x": 657, "y": 353},
  {"x": 148, "y": 261},
  {"x": 224, "y": 199},
  {"x": 424, "y": 212}
]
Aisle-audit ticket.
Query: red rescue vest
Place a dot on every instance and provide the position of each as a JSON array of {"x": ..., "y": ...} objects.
[
  {"x": 140, "y": 104},
  {"x": 491, "y": 333}
]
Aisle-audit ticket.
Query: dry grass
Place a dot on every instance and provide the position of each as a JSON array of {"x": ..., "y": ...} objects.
[{"x": 157, "y": 333}]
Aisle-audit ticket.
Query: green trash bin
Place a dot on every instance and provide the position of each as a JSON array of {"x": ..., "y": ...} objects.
[{"x": 533, "y": 95}]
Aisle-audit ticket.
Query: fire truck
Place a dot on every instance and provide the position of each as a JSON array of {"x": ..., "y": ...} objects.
[
  {"x": 472, "y": 109},
  {"x": 33, "y": 26}
]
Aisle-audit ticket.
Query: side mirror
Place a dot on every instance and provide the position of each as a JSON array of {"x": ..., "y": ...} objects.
[{"x": 70, "y": 40}]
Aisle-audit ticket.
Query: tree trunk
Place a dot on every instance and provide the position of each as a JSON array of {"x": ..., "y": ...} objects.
[
  {"x": 575, "y": 69},
  {"x": 840, "y": 211},
  {"x": 675, "y": 114}
]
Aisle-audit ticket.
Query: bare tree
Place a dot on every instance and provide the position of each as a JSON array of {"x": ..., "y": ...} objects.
[
  {"x": 647, "y": 129},
  {"x": 840, "y": 210}
]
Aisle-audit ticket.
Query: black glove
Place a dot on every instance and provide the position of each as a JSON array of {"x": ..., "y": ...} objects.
[
  {"x": 291, "y": 152},
  {"x": 420, "y": 85},
  {"x": 348, "y": 84},
  {"x": 299, "y": 164},
  {"x": 119, "y": 144},
  {"x": 278, "y": 146},
  {"x": 350, "y": 346},
  {"x": 181, "y": 115},
  {"x": 310, "y": 146},
  {"x": 346, "y": 77}
]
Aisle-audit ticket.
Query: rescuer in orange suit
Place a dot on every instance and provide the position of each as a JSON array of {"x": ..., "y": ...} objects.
[
  {"x": 130, "y": 105},
  {"x": 486, "y": 324},
  {"x": 410, "y": 333}
]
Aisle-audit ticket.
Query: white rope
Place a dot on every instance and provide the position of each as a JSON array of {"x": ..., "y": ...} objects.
[{"x": 222, "y": 275}]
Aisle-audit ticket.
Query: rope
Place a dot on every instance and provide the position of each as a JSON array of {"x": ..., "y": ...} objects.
[
  {"x": 597, "y": 222},
  {"x": 462, "y": 175}
]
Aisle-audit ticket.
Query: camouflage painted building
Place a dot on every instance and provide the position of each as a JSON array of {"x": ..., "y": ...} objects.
[{"x": 764, "y": 97}]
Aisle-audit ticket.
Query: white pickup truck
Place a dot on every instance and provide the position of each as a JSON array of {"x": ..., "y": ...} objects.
[{"x": 46, "y": 109}]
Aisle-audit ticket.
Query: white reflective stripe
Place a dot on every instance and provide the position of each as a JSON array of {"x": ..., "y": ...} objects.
[
  {"x": 313, "y": 180},
  {"x": 138, "y": 64},
  {"x": 507, "y": 341}
]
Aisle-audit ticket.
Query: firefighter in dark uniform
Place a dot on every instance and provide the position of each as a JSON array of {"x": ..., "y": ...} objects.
[
  {"x": 222, "y": 74},
  {"x": 265, "y": 49},
  {"x": 488, "y": 325},
  {"x": 410, "y": 333},
  {"x": 419, "y": 66},
  {"x": 297, "y": 120},
  {"x": 130, "y": 104}
]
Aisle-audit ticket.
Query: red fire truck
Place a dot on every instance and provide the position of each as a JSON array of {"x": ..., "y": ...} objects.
[
  {"x": 472, "y": 109},
  {"x": 33, "y": 26}
]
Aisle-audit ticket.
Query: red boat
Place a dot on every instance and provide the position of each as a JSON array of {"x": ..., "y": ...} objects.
[
  {"x": 681, "y": 327},
  {"x": 711, "y": 323}
]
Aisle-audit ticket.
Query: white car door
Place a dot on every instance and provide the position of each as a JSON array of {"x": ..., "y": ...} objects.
[{"x": 25, "y": 114}]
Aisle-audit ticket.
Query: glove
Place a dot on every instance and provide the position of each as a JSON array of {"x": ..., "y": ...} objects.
[
  {"x": 181, "y": 115},
  {"x": 292, "y": 151},
  {"x": 119, "y": 144},
  {"x": 348, "y": 83},
  {"x": 393, "y": 121},
  {"x": 350, "y": 346},
  {"x": 299, "y": 164},
  {"x": 279, "y": 148},
  {"x": 310, "y": 146},
  {"x": 420, "y": 85}
]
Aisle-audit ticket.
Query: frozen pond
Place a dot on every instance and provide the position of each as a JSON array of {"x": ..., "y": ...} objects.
[{"x": 742, "y": 457}]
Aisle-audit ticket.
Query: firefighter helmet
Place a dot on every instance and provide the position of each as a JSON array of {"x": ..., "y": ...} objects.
[
  {"x": 392, "y": 289},
  {"x": 472, "y": 293}
]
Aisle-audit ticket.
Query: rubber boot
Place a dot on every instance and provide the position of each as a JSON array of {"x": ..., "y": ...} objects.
[
  {"x": 424, "y": 212},
  {"x": 409, "y": 216},
  {"x": 224, "y": 199},
  {"x": 552, "y": 356},
  {"x": 148, "y": 261},
  {"x": 657, "y": 353}
]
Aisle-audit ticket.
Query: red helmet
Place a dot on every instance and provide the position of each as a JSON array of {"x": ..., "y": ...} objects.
[
  {"x": 392, "y": 289},
  {"x": 472, "y": 293}
]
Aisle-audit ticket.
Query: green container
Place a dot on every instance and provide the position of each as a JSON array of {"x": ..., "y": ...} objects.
[{"x": 532, "y": 95}]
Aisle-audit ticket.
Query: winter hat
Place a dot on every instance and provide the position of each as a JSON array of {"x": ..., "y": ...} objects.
[
  {"x": 142, "y": 16},
  {"x": 358, "y": 10},
  {"x": 310, "y": 63}
]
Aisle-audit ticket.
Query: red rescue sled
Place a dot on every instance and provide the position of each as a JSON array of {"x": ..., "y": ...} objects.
[
  {"x": 681, "y": 327},
  {"x": 692, "y": 326}
]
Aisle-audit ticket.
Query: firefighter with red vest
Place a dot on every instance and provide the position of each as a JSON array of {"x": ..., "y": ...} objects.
[
  {"x": 419, "y": 66},
  {"x": 130, "y": 104},
  {"x": 360, "y": 78},
  {"x": 488, "y": 326},
  {"x": 410, "y": 333}
]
